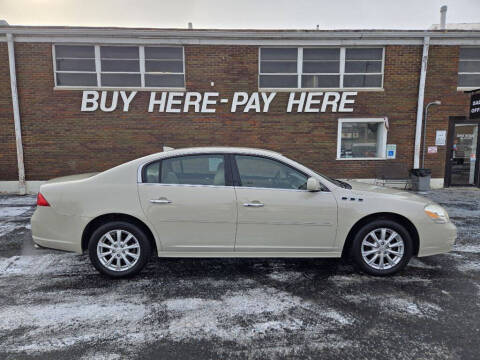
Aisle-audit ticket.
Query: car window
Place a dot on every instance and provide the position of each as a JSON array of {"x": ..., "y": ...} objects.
[
  {"x": 152, "y": 172},
  {"x": 261, "y": 172},
  {"x": 191, "y": 169}
]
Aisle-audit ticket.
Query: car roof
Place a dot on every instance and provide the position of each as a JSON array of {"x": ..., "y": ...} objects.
[{"x": 217, "y": 149}]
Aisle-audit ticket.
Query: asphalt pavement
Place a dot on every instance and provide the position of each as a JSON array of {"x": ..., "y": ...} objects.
[{"x": 54, "y": 305}]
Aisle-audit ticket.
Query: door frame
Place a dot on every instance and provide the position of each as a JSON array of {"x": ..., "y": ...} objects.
[{"x": 453, "y": 120}]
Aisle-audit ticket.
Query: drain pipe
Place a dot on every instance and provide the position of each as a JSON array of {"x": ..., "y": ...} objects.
[
  {"x": 22, "y": 188},
  {"x": 421, "y": 96}
]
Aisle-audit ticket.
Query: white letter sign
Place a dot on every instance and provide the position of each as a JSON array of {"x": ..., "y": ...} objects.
[{"x": 178, "y": 102}]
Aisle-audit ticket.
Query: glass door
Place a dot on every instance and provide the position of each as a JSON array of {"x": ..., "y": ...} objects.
[{"x": 463, "y": 154}]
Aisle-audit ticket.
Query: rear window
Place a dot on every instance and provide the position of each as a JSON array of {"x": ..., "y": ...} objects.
[{"x": 192, "y": 170}]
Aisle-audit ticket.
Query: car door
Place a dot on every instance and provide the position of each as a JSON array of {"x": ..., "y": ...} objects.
[
  {"x": 275, "y": 211},
  {"x": 190, "y": 202}
]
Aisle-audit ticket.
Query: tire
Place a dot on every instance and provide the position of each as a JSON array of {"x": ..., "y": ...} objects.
[
  {"x": 395, "y": 258},
  {"x": 128, "y": 257}
]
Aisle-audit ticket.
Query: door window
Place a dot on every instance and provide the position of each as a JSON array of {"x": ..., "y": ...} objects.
[
  {"x": 191, "y": 170},
  {"x": 463, "y": 154},
  {"x": 261, "y": 172}
]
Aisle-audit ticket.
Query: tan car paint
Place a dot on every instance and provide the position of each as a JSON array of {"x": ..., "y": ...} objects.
[{"x": 77, "y": 200}]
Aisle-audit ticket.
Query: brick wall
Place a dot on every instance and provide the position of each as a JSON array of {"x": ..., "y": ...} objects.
[
  {"x": 8, "y": 152},
  {"x": 441, "y": 85},
  {"x": 61, "y": 140}
]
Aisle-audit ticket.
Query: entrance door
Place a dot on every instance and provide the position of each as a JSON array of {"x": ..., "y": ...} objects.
[{"x": 462, "y": 164}]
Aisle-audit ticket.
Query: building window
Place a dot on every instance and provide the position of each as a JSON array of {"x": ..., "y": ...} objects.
[
  {"x": 278, "y": 67},
  {"x": 75, "y": 65},
  {"x": 112, "y": 66},
  {"x": 321, "y": 68},
  {"x": 469, "y": 68},
  {"x": 362, "y": 138}
]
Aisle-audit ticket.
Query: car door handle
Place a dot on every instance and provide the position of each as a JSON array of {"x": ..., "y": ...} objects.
[
  {"x": 253, "y": 204},
  {"x": 161, "y": 201}
]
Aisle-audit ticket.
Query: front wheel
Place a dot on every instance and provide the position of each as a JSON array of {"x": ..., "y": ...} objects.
[
  {"x": 382, "y": 247},
  {"x": 119, "y": 249}
]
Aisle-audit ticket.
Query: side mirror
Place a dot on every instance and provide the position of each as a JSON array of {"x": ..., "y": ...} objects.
[{"x": 313, "y": 184}]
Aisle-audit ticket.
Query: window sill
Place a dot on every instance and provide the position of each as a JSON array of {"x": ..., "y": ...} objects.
[
  {"x": 318, "y": 89},
  {"x": 365, "y": 158},
  {"x": 470, "y": 88},
  {"x": 55, "y": 88}
]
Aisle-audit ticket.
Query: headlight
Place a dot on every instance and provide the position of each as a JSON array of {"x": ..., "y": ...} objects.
[{"x": 436, "y": 213}]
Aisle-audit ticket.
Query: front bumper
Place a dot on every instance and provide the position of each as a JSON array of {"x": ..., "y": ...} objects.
[
  {"x": 56, "y": 231},
  {"x": 437, "y": 238}
]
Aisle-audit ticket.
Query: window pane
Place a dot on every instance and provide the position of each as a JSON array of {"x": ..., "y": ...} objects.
[
  {"x": 363, "y": 66},
  {"x": 469, "y": 80},
  {"x": 321, "y": 67},
  {"x": 469, "y": 66},
  {"x": 359, "y": 140},
  {"x": 321, "y": 54},
  {"x": 119, "y": 52},
  {"x": 363, "y": 54},
  {"x": 74, "y": 51},
  {"x": 121, "y": 65},
  {"x": 163, "y": 53},
  {"x": 278, "y": 54},
  {"x": 320, "y": 81},
  {"x": 278, "y": 67},
  {"x": 152, "y": 173},
  {"x": 72, "y": 79},
  {"x": 470, "y": 53},
  {"x": 278, "y": 81},
  {"x": 194, "y": 170},
  {"x": 164, "y": 66},
  {"x": 362, "y": 81},
  {"x": 76, "y": 65},
  {"x": 121, "y": 80},
  {"x": 266, "y": 173},
  {"x": 168, "y": 80}
]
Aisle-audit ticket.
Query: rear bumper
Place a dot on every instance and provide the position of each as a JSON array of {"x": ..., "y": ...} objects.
[
  {"x": 437, "y": 239},
  {"x": 56, "y": 231}
]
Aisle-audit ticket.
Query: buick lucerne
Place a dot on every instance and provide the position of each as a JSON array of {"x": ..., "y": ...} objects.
[{"x": 233, "y": 202}]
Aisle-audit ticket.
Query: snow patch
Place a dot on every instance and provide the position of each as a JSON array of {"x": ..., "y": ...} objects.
[
  {"x": 37, "y": 265},
  {"x": 12, "y": 211},
  {"x": 417, "y": 263},
  {"x": 8, "y": 227},
  {"x": 285, "y": 276},
  {"x": 469, "y": 265},
  {"x": 475, "y": 249}
]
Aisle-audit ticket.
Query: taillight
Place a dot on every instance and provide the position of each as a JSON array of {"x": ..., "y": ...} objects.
[{"x": 41, "y": 201}]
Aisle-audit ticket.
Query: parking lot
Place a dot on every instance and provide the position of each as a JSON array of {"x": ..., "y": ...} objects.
[{"x": 55, "y": 305}]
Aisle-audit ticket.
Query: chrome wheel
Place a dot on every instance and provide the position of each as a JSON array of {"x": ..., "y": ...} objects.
[
  {"x": 118, "y": 250},
  {"x": 382, "y": 248}
]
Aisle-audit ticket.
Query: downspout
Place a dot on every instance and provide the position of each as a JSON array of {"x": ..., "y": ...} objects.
[
  {"x": 22, "y": 189},
  {"x": 421, "y": 96}
]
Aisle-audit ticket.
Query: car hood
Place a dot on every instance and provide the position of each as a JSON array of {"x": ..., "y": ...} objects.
[
  {"x": 71, "y": 178},
  {"x": 364, "y": 189}
]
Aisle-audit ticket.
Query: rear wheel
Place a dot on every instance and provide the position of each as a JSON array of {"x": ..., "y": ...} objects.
[
  {"x": 119, "y": 249},
  {"x": 382, "y": 247}
]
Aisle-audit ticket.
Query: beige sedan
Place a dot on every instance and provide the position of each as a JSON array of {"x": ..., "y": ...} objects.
[{"x": 233, "y": 202}]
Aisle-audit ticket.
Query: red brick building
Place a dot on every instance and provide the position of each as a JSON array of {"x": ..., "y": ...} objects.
[{"x": 348, "y": 104}]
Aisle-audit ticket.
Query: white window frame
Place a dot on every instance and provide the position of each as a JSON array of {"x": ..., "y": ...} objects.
[
  {"x": 381, "y": 137},
  {"x": 467, "y": 88},
  {"x": 299, "y": 64},
  {"x": 341, "y": 72},
  {"x": 99, "y": 72}
]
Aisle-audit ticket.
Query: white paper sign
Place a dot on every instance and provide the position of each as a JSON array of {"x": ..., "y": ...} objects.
[
  {"x": 441, "y": 137},
  {"x": 391, "y": 151},
  {"x": 432, "y": 149}
]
